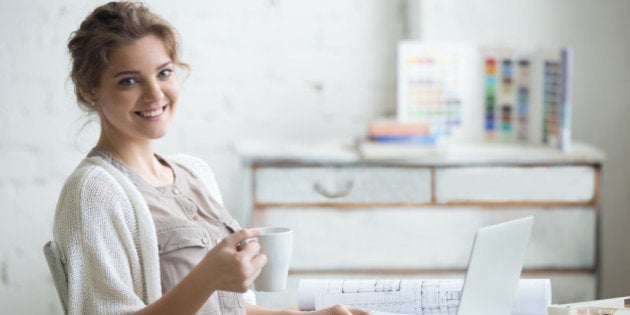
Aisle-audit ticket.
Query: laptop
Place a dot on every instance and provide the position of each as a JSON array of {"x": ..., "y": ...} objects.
[{"x": 494, "y": 268}]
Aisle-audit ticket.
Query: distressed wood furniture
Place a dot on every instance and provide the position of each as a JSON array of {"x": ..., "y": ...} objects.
[{"x": 355, "y": 217}]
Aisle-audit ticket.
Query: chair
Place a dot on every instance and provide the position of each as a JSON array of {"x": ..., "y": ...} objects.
[{"x": 55, "y": 260}]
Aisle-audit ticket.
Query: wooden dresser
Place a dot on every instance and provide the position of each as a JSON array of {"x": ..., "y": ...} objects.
[{"x": 416, "y": 218}]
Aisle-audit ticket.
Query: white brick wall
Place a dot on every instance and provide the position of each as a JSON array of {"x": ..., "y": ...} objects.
[{"x": 293, "y": 69}]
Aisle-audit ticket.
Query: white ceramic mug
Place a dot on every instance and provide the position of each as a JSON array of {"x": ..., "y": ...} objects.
[{"x": 277, "y": 244}]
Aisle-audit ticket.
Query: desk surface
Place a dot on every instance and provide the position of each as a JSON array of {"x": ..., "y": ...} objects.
[{"x": 347, "y": 152}]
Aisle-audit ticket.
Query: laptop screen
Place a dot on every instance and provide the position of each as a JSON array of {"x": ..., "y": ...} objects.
[{"x": 494, "y": 268}]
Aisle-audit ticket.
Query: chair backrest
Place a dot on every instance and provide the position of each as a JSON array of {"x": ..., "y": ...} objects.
[{"x": 56, "y": 264}]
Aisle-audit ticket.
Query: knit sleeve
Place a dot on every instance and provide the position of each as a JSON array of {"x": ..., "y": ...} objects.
[{"x": 95, "y": 228}]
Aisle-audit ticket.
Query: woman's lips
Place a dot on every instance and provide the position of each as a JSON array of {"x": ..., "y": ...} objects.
[{"x": 152, "y": 113}]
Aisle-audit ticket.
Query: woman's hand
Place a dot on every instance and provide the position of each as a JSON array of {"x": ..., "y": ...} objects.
[
  {"x": 342, "y": 310},
  {"x": 230, "y": 269}
]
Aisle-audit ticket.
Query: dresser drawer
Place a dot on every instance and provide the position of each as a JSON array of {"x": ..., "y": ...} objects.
[
  {"x": 426, "y": 238},
  {"x": 514, "y": 184},
  {"x": 398, "y": 185}
]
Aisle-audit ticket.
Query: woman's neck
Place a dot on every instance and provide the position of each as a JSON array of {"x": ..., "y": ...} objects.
[{"x": 140, "y": 157}]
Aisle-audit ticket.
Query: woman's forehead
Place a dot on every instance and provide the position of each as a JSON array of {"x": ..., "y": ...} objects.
[{"x": 147, "y": 52}]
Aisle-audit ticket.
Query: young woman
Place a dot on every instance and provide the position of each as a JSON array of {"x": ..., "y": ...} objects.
[{"x": 141, "y": 233}]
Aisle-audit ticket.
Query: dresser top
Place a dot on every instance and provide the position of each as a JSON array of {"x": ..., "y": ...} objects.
[{"x": 267, "y": 152}]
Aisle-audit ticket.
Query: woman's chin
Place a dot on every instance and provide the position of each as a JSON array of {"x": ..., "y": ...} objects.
[{"x": 157, "y": 134}]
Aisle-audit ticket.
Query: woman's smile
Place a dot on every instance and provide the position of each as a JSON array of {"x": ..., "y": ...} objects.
[{"x": 152, "y": 114}]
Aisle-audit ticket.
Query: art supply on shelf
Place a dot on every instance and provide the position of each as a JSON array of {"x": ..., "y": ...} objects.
[
  {"x": 430, "y": 82},
  {"x": 523, "y": 100},
  {"x": 490, "y": 96},
  {"x": 494, "y": 93}
]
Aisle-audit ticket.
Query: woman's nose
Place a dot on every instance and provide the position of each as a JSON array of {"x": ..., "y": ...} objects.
[{"x": 153, "y": 92}]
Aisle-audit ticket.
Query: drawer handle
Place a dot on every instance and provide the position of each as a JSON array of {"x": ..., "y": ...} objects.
[{"x": 332, "y": 195}]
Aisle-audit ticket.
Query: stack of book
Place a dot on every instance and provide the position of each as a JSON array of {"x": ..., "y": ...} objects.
[
  {"x": 392, "y": 139},
  {"x": 392, "y": 131}
]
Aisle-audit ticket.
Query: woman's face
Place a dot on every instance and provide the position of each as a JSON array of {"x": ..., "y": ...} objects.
[{"x": 138, "y": 92}]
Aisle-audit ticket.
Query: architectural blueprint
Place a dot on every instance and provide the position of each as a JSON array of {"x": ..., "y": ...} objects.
[{"x": 438, "y": 296}]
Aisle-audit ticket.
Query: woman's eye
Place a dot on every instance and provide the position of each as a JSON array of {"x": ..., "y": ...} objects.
[
  {"x": 127, "y": 81},
  {"x": 165, "y": 73}
]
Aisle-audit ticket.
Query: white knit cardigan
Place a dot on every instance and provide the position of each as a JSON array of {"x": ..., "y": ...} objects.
[{"x": 107, "y": 238}]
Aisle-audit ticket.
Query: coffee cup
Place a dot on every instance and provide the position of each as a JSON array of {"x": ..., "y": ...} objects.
[{"x": 277, "y": 244}]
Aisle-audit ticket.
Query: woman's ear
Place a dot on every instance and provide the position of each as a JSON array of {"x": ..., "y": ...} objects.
[{"x": 88, "y": 95}]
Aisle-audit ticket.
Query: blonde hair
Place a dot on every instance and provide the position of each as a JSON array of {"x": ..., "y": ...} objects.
[{"x": 109, "y": 25}]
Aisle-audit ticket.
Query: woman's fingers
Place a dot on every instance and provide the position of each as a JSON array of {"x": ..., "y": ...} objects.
[
  {"x": 234, "y": 269},
  {"x": 247, "y": 253},
  {"x": 259, "y": 261},
  {"x": 359, "y": 311},
  {"x": 345, "y": 310},
  {"x": 257, "y": 264},
  {"x": 234, "y": 239},
  {"x": 250, "y": 250}
]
